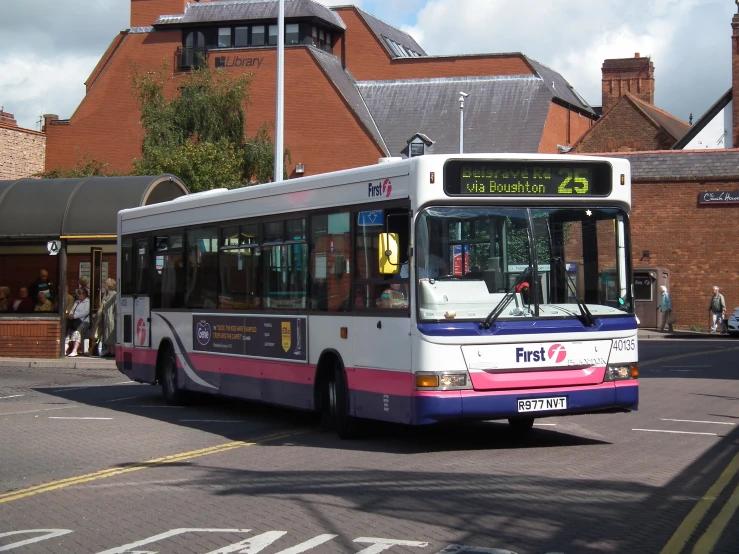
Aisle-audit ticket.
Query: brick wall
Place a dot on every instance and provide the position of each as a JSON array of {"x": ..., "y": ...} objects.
[
  {"x": 623, "y": 129},
  {"x": 563, "y": 126},
  {"x": 29, "y": 337},
  {"x": 22, "y": 152},
  {"x": 698, "y": 244}
]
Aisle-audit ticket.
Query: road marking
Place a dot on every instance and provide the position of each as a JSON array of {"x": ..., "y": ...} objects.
[
  {"x": 698, "y": 421},
  {"x": 688, "y": 355},
  {"x": 174, "y": 532},
  {"x": 545, "y": 424},
  {"x": 11, "y": 396},
  {"x": 104, "y": 474},
  {"x": 708, "y": 540},
  {"x": 59, "y": 417},
  {"x": 75, "y": 388},
  {"x": 307, "y": 545},
  {"x": 37, "y": 411},
  {"x": 688, "y": 526},
  {"x": 211, "y": 420},
  {"x": 126, "y": 398},
  {"x": 155, "y": 406},
  {"x": 126, "y": 383},
  {"x": 49, "y": 534},
  {"x": 676, "y": 432}
]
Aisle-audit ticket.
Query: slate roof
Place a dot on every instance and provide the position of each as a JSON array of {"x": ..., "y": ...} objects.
[
  {"x": 380, "y": 28},
  {"x": 559, "y": 86},
  {"x": 684, "y": 165},
  {"x": 674, "y": 126},
  {"x": 245, "y": 10},
  {"x": 347, "y": 87},
  {"x": 704, "y": 120},
  {"x": 502, "y": 114}
]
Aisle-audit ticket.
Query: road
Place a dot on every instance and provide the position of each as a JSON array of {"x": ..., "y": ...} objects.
[{"x": 90, "y": 463}]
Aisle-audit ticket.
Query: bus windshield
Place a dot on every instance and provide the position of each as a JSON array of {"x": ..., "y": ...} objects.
[{"x": 541, "y": 261}]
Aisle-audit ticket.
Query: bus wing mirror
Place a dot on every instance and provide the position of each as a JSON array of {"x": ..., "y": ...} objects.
[{"x": 388, "y": 253}]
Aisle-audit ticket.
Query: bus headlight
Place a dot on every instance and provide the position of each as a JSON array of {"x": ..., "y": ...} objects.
[
  {"x": 621, "y": 372},
  {"x": 442, "y": 381}
]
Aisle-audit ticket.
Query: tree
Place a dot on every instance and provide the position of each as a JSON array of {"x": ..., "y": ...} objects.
[{"x": 199, "y": 133}]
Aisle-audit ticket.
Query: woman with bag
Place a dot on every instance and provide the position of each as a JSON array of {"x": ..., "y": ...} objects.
[
  {"x": 78, "y": 322},
  {"x": 103, "y": 323}
]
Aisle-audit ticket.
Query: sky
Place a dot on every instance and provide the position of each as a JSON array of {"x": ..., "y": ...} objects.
[{"x": 51, "y": 46}]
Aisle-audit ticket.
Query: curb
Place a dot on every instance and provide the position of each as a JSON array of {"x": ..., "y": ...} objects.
[{"x": 58, "y": 363}]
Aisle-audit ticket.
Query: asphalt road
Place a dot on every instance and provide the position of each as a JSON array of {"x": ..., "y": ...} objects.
[{"x": 90, "y": 463}]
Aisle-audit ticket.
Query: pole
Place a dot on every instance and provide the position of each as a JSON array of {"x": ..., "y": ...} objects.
[
  {"x": 62, "y": 297},
  {"x": 280, "y": 116},
  {"x": 462, "y": 96}
]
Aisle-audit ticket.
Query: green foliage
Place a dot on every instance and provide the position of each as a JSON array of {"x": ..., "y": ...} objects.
[
  {"x": 87, "y": 166},
  {"x": 198, "y": 134}
]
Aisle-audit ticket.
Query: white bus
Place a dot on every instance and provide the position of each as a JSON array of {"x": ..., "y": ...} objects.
[{"x": 412, "y": 291}]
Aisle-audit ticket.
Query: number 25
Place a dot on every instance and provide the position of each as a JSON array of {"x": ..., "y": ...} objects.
[{"x": 567, "y": 186}]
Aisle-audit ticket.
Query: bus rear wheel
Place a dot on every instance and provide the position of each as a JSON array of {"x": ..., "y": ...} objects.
[
  {"x": 335, "y": 405},
  {"x": 170, "y": 389},
  {"x": 521, "y": 425}
]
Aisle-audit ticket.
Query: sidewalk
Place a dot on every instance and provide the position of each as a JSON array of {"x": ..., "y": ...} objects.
[
  {"x": 61, "y": 363},
  {"x": 678, "y": 334}
]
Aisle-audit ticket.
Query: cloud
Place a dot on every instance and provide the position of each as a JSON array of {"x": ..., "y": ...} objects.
[{"x": 688, "y": 40}]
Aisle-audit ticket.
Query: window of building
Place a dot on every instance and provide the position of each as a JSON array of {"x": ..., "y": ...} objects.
[
  {"x": 257, "y": 35},
  {"x": 241, "y": 36},
  {"x": 321, "y": 39},
  {"x": 315, "y": 36},
  {"x": 224, "y": 37},
  {"x": 273, "y": 35},
  {"x": 292, "y": 33},
  {"x": 331, "y": 259},
  {"x": 417, "y": 149},
  {"x": 201, "y": 283}
]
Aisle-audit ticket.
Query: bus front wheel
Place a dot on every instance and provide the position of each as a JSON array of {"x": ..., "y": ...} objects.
[
  {"x": 335, "y": 405},
  {"x": 170, "y": 389},
  {"x": 521, "y": 424}
]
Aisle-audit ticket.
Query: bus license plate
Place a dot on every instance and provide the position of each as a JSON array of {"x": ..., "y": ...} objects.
[{"x": 542, "y": 404}]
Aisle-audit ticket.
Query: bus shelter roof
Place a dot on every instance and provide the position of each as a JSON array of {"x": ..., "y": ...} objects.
[{"x": 48, "y": 208}]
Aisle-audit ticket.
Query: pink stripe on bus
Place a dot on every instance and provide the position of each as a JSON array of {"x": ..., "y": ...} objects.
[{"x": 537, "y": 379}]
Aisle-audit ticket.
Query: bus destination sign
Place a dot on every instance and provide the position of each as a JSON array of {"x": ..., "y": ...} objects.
[{"x": 565, "y": 179}]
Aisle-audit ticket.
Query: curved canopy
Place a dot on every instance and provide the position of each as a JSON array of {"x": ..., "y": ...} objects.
[{"x": 48, "y": 208}]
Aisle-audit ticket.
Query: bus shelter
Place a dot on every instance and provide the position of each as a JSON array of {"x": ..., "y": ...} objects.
[{"x": 67, "y": 227}]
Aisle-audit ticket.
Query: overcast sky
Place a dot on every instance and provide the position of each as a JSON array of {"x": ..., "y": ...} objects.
[{"x": 51, "y": 46}]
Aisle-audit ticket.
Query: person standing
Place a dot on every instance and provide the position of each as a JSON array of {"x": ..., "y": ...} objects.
[
  {"x": 717, "y": 309},
  {"x": 665, "y": 306},
  {"x": 42, "y": 284}
]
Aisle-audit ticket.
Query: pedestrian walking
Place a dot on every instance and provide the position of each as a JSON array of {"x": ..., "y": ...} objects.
[
  {"x": 717, "y": 309},
  {"x": 665, "y": 306}
]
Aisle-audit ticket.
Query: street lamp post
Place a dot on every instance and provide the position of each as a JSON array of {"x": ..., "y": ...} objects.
[
  {"x": 462, "y": 96},
  {"x": 280, "y": 115}
]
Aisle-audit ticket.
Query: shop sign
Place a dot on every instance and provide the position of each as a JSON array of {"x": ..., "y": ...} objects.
[
  {"x": 718, "y": 198},
  {"x": 53, "y": 246}
]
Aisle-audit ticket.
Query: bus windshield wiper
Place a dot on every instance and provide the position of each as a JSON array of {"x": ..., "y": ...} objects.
[
  {"x": 493, "y": 315},
  {"x": 587, "y": 318}
]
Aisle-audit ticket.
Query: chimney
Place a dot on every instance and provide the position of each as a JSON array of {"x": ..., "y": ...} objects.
[
  {"x": 634, "y": 75},
  {"x": 735, "y": 79},
  {"x": 48, "y": 118},
  {"x": 7, "y": 118}
]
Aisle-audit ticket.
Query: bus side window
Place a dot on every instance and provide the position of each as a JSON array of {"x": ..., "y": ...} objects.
[{"x": 330, "y": 259}]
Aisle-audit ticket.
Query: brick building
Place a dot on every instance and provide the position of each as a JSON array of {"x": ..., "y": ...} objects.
[
  {"x": 356, "y": 88},
  {"x": 23, "y": 150},
  {"x": 630, "y": 122}
]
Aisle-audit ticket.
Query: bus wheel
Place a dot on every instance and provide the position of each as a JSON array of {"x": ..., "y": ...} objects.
[
  {"x": 338, "y": 400},
  {"x": 171, "y": 392},
  {"x": 521, "y": 424}
]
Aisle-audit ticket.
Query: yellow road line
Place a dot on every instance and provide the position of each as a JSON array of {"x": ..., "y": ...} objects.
[
  {"x": 688, "y": 355},
  {"x": 104, "y": 474},
  {"x": 682, "y": 534},
  {"x": 708, "y": 540}
]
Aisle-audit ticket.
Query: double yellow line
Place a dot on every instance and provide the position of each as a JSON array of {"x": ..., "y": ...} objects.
[
  {"x": 106, "y": 473},
  {"x": 708, "y": 540}
]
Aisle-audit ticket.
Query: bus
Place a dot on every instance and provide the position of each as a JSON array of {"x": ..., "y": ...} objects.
[{"x": 414, "y": 291}]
